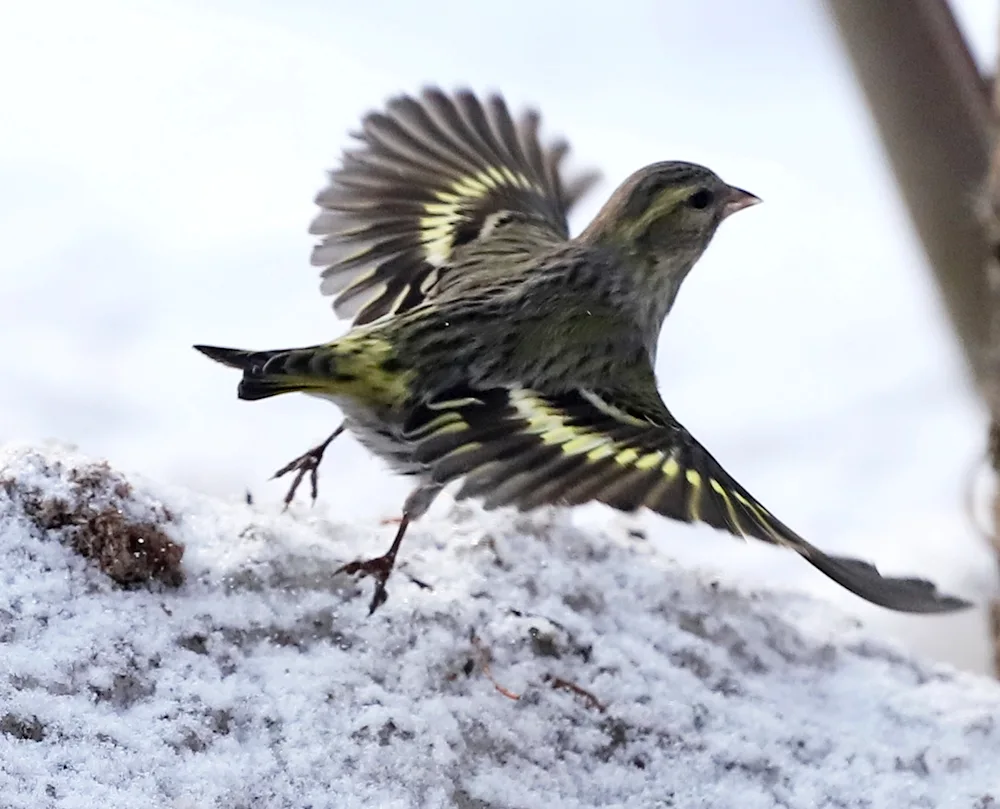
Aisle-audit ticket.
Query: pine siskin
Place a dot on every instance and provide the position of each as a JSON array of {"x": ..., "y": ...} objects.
[{"x": 488, "y": 346}]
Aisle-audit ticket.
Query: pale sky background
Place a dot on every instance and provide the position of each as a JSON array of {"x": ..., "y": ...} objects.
[{"x": 158, "y": 162}]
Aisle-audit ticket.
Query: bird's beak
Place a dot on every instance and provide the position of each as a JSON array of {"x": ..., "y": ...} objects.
[{"x": 736, "y": 200}]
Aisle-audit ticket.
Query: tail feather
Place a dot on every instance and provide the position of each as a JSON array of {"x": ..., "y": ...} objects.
[
  {"x": 358, "y": 367},
  {"x": 233, "y": 357},
  {"x": 267, "y": 373},
  {"x": 250, "y": 390}
]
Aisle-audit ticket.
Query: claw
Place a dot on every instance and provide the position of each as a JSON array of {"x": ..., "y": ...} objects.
[
  {"x": 307, "y": 462},
  {"x": 379, "y": 568}
]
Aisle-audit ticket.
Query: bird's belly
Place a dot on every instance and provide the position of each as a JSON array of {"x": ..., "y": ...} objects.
[
  {"x": 379, "y": 435},
  {"x": 384, "y": 440}
]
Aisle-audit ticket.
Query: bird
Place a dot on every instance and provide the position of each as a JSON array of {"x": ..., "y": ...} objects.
[{"x": 490, "y": 347}]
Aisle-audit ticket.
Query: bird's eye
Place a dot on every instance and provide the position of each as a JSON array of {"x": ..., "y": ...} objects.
[{"x": 701, "y": 199}]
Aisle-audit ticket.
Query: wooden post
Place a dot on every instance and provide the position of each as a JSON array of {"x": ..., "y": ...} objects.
[
  {"x": 933, "y": 112},
  {"x": 990, "y": 215}
]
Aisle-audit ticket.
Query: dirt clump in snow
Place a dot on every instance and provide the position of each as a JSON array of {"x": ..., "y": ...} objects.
[{"x": 95, "y": 514}]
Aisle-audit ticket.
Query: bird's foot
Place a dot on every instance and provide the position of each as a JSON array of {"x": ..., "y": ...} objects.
[
  {"x": 379, "y": 568},
  {"x": 306, "y": 463}
]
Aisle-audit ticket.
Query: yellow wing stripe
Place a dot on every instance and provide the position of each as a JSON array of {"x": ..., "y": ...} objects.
[
  {"x": 725, "y": 495},
  {"x": 583, "y": 444},
  {"x": 755, "y": 508},
  {"x": 444, "y": 424},
  {"x": 606, "y": 450},
  {"x": 438, "y": 239},
  {"x": 450, "y": 404},
  {"x": 553, "y": 428},
  {"x": 437, "y": 226},
  {"x": 694, "y": 499},
  {"x": 549, "y": 424},
  {"x": 611, "y": 410},
  {"x": 627, "y": 456},
  {"x": 556, "y": 428},
  {"x": 560, "y": 435},
  {"x": 650, "y": 461}
]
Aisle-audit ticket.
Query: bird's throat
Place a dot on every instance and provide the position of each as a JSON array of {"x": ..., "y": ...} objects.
[{"x": 657, "y": 286}]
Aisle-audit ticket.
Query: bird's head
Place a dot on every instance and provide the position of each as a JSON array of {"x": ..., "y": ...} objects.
[
  {"x": 667, "y": 212},
  {"x": 662, "y": 218}
]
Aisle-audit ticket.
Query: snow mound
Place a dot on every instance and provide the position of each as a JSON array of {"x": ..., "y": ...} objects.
[{"x": 163, "y": 649}]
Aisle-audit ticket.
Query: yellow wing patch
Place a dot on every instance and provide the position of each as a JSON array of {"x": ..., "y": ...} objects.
[
  {"x": 519, "y": 447},
  {"x": 437, "y": 226},
  {"x": 524, "y": 449},
  {"x": 553, "y": 427}
]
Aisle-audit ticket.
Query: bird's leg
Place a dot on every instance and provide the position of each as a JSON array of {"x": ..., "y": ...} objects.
[
  {"x": 307, "y": 462},
  {"x": 380, "y": 568}
]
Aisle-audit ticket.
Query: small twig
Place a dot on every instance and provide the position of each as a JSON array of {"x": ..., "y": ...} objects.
[
  {"x": 565, "y": 685},
  {"x": 484, "y": 663}
]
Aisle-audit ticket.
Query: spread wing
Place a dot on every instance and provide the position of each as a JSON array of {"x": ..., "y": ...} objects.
[
  {"x": 430, "y": 175},
  {"x": 523, "y": 448}
]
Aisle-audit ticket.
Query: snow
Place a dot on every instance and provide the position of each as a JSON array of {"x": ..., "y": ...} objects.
[
  {"x": 158, "y": 163},
  {"x": 540, "y": 665}
]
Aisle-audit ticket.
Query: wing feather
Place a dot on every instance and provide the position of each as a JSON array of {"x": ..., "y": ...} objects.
[
  {"x": 429, "y": 174},
  {"x": 514, "y": 446}
]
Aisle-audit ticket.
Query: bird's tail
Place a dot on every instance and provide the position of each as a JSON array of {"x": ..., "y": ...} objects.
[
  {"x": 362, "y": 370},
  {"x": 269, "y": 373}
]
